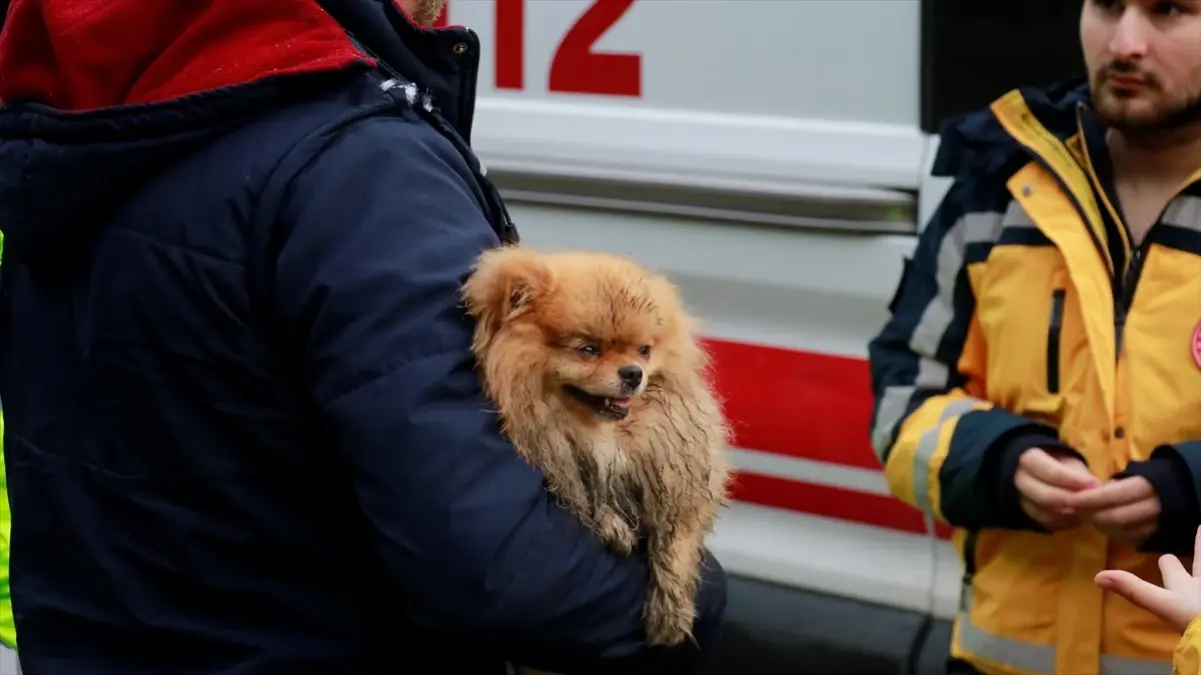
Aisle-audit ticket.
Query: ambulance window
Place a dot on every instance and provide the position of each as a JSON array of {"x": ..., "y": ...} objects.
[{"x": 976, "y": 50}]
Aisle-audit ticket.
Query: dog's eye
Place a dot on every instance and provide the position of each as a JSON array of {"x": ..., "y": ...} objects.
[
  {"x": 644, "y": 351},
  {"x": 589, "y": 350}
]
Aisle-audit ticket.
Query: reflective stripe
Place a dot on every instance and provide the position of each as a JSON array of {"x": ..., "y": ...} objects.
[
  {"x": 1013, "y": 653},
  {"x": 1117, "y": 665},
  {"x": 933, "y": 376},
  {"x": 1016, "y": 218},
  {"x": 928, "y": 444},
  {"x": 1184, "y": 212},
  {"x": 1037, "y": 658}
]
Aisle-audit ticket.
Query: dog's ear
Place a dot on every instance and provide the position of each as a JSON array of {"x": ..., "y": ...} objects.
[{"x": 504, "y": 284}]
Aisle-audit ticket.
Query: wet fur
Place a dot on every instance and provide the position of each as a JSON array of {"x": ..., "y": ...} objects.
[{"x": 659, "y": 475}]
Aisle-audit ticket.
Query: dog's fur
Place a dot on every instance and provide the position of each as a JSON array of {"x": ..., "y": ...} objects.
[{"x": 654, "y": 469}]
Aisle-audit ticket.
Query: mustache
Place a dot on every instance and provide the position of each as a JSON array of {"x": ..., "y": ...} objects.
[{"x": 1129, "y": 69}]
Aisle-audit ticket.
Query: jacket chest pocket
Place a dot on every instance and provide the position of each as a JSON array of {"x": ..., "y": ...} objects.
[
  {"x": 1055, "y": 339},
  {"x": 1030, "y": 317}
]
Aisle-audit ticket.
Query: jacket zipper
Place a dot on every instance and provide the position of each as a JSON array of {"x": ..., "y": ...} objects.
[
  {"x": 1124, "y": 296},
  {"x": 1054, "y": 337},
  {"x": 1123, "y": 284}
]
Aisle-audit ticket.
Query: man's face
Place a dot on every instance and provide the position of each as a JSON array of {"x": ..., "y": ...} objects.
[
  {"x": 1144, "y": 61},
  {"x": 423, "y": 11}
]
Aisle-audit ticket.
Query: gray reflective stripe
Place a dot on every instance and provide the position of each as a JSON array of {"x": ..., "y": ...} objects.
[
  {"x": 1016, "y": 216},
  {"x": 925, "y": 451},
  {"x": 1117, "y": 665},
  {"x": 1014, "y": 653},
  {"x": 985, "y": 227},
  {"x": 1184, "y": 211},
  {"x": 932, "y": 375},
  {"x": 1038, "y": 658}
]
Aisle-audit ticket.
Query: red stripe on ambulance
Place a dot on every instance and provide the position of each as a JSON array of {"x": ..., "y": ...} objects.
[{"x": 809, "y": 406}]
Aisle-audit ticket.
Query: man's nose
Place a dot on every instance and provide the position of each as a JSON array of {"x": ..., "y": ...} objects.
[{"x": 1131, "y": 35}]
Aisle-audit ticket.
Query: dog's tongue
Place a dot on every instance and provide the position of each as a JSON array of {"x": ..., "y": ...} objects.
[{"x": 619, "y": 403}]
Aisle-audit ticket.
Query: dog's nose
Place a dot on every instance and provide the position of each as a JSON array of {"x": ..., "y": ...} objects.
[{"x": 631, "y": 376}]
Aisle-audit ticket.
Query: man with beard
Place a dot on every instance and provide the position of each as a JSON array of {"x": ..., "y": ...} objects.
[
  {"x": 243, "y": 428},
  {"x": 1038, "y": 383}
]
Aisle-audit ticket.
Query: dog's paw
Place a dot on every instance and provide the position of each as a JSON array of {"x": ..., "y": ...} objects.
[
  {"x": 668, "y": 619},
  {"x": 616, "y": 532}
]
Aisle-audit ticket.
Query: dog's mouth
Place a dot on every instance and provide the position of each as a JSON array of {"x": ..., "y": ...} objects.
[{"x": 607, "y": 407}]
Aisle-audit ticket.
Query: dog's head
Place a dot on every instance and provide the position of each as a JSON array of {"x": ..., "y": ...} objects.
[{"x": 591, "y": 329}]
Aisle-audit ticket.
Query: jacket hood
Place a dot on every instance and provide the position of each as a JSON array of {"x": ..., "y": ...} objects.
[
  {"x": 97, "y": 94},
  {"x": 976, "y": 144}
]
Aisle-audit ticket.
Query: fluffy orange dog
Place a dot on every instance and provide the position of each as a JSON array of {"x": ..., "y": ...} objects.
[{"x": 600, "y": 382}]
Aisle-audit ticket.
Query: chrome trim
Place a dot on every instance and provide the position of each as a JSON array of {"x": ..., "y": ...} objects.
[{"x": 810, "y": 207}]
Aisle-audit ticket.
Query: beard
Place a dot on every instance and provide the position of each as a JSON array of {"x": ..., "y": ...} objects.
[
  {"x": 425, "y": 12},
  {"x": 1156, "y": 110}
]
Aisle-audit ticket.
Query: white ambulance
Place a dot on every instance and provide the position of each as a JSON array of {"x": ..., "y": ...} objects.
[{"x": 770, "y": 156}]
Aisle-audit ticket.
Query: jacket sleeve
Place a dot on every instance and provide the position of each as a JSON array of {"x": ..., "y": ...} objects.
[
  {"x": 373, "y": 240},
  {"x": 1174, "y": 471},
  {"x": 1187, "y": 659},
  {"x": 945, "y": 449}
]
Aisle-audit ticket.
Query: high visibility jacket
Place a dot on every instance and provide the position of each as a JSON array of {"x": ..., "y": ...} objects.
[
  {"x": 1187, "y": 660},
  {"x": 1016, "y": 324}
]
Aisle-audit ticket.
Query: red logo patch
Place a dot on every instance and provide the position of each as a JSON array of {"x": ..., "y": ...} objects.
[{"x": 1195, "y": 345}]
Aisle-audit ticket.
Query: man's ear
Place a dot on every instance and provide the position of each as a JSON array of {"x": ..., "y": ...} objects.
[{"x": 505, "y": 283}]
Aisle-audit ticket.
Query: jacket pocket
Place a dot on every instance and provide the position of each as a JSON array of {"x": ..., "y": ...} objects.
[{"x": 1054, "y": 339}]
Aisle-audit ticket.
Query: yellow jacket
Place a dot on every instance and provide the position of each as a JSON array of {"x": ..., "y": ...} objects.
[
  {"x": 1188, "y": 652},
  {"x": 1187, "y": 660},
  {"x": 1016, "y": 325}
]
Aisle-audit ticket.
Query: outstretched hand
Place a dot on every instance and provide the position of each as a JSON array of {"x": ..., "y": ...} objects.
[{"x": 1177, "y": 603}]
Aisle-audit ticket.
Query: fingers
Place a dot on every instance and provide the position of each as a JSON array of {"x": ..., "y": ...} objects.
[
  {"x": 1150, "y": 597},
  {"x": 1046, "y": 499},
  {"x": 1128, "y": 516},
  {"x": 1197, "y": 553},
  {"x": 1070, "y": 474},
  {"x": 1175, "y": 577},
  {"x": 1113, "y": 494},
  {"x": 1052, "y": 520}
]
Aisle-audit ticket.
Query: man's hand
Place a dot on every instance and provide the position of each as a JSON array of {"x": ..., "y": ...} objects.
[
  {"x": 1177, "y": 603},
  {"x": 1126, "y": 509},
  {"x": 1047, "y": 484}
]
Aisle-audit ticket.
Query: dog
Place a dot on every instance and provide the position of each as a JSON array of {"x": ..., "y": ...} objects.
[{"x": 600, "y": 382}]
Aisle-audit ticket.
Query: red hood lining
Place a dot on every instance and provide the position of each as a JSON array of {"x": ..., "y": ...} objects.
[{"x": 86, "y": 54}]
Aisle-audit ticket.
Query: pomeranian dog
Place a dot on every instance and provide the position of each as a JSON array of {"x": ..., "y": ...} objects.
[{"x": 600, "y": 382}]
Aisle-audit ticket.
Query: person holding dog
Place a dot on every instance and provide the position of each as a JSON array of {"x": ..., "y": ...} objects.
[
  {"x": 245, "y": 433},
  {"x": 1037, "y": 382}
]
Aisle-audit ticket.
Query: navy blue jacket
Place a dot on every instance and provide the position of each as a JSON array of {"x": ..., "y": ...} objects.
[{"x": 243, "y": 431}]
